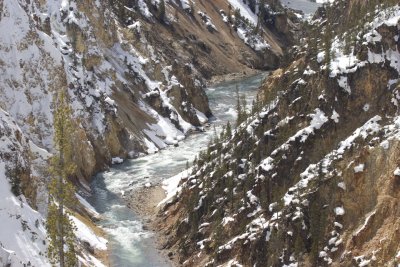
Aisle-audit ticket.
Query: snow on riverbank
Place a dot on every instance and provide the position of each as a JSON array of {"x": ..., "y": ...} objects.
[
  {"x": 85, "y": 234},
  {"x": 171, "y": 185}
]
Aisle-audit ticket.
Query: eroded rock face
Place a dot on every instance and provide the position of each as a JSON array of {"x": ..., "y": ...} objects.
[
  {"x": 124, "y": 68},
  {"x": 134, "y": 77},
  {"x": 310, "y": 178}
]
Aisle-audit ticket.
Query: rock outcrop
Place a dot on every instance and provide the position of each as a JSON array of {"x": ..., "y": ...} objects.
[
  {"x": 134, "y": 74},
  {"x": 311, "y": 178}
]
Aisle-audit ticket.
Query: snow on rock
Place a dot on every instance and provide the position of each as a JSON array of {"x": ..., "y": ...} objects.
[
  {"x": 385, "y": 144},
  {"x": 90, "y": 261},
  {"x": 335, "y": 116},
  {"x": 359, "y": 168},
  {"x": 367, "y": 219},
  {"x": 343, "y": 83},
  {"x": 267, "y": 164},
  {"x": 338, "y": 225},
  {"x": 362, "y": 261},
  {"x": 397, "y": 172},
  {"x": 201, "y": 116},
  {"x": 85, "y": 234},
  {"x": 227, "y": 220},
  {"x": 171, "y": 185},
  {"x": 342, "y": 185},
  {"x": 233, "y": 263},
  {"x": 320, "y": 56},
  {"x": 22, "y": 230},
  {"x": 318, "y": 119},
  {"x": 339, "y": 211},
  {"x": 89, "y": 208},
  {"x": 324, "y": 1},
  {"x": 117, "y": 160},
  {"x": 207, "y": 21},
  {"x": 186, "y": 4},
  {"x": 245, "y": 10},
  {"x": 144, "y": 9},
  {"x": 254, "y": 41}
]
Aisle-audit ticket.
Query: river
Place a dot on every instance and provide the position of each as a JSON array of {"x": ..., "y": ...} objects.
[
  {"x": 130, "y": 245},
  {"x": 307, "y": 6}
]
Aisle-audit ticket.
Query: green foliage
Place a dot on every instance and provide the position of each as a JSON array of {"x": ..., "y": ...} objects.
[
  {"x": 228, "y": 131},
  {"x": 318, "y": 220},
  {"x": 240, "y": 107},
  {"x": 60, "y": 228},
  {"x": 15, "y": 177},
  {"x": 161, "y": 10},
  {"x": 256, "y": 105},
  {"x": 238, "y": 18},
  {"x": 328, "y": 44},
  {"x": 262, "y": 13}
]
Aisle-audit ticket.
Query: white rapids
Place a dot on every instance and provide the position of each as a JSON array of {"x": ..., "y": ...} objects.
[{"x": 131, "y": 245}]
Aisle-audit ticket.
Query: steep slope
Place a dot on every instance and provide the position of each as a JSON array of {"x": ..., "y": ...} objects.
[
  {"x": 22, "y": 233},
  {"x": 134, "y": 77},
  {"x": 311, "y": 178}
]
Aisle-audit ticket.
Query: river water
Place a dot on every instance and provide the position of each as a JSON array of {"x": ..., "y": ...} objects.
[
  {"x": 130, "y": 245},
  {"x": 307, "y": 6}
]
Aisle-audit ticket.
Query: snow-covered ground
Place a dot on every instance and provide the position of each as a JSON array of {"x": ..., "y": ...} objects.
[
  {"x": 22, "y": 231},
  {"x": 171, "y": 185},
  {"x": 245, "y": 10}
]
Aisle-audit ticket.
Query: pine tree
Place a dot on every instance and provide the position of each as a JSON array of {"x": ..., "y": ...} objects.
[
  {"x": 261, "y": 14},
  {"x": 258, "y": 25},
  {"x": 328, "y": 43},
  {"x": 239, "y": 110},
  {"x": 15, "y": 177},
  {"x": 244, "y": 105},
  {"x": 229, "y": 13},
  {"x": 60, "y": 228},
  {"x": 228, "y": 132},
  {"x": 161, "y": 11}
]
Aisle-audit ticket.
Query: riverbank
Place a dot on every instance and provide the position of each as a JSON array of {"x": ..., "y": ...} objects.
[
  {"x": 230, "y": 77},
  {"x": 139, "y": 233},
  {"x": 144, "y": 202}
]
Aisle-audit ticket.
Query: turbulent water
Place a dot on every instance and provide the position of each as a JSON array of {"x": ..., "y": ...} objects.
[
  {"x": 130, "y": 245},
  {"x": 307, "y": 6}
]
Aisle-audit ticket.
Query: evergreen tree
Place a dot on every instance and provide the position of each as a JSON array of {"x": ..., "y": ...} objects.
[
  {"x": 161, "y": 10},
  {"x": 241, "y": 104},
  {"x": 258, "y": 26},
  {"x": 238, "y": 107},
  {"x": 262, "y": 12},
  {"x": 228, "y": 132},
  {"x": 60, "y": 228},
  {"x": 244, "y": 105},
  {"x": 215, "y": 136},
  {"x": 187, "y": 165},
  {"x": 229, "y": 13},
  {"x": 222, "y": 133},
  {"x": 15, "y": 177},
  {"x": 328, "y": 42}
]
